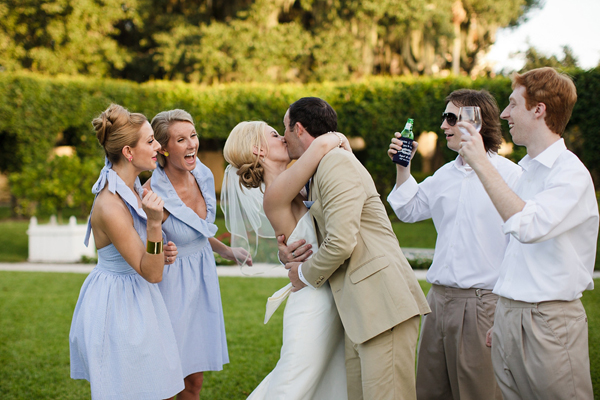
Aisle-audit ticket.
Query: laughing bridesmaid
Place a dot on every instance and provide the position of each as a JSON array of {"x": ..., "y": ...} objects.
[{"x": 190, "y": 286}]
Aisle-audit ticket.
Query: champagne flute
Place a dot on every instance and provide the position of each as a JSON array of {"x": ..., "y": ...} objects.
[{"x": 471, "y": 115}]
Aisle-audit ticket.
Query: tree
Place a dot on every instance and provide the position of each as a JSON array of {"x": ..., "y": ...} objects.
[
  {"x": 535, "y": 59},
  {"x": 61, "y": 36},
  {"x": 209, "y": 41},
  {"x": 50, "y": 187}
]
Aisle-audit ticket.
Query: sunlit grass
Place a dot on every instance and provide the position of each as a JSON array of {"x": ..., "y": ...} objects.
[{"x": 36, "y": 311}]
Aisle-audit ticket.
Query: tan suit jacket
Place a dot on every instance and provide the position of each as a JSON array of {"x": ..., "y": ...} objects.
[{"x": 373, "y": 285}]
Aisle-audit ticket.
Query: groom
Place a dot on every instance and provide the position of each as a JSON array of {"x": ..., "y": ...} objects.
[{"x": 375, "y": 290}]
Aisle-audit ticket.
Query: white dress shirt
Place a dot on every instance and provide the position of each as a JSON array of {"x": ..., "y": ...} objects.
[
  {"x": 552, "y": 246},
  {"x": 470, "y": 242}
]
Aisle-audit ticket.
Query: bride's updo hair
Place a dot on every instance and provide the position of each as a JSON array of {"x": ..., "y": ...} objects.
[
  {"x": 238, "y": 151},
  {"x": 116, "y": 128}
]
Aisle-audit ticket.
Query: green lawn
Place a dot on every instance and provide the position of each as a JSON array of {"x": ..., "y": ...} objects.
[
  {"x": 13, "y": 236},
  {"x": 35, "y": 316}
]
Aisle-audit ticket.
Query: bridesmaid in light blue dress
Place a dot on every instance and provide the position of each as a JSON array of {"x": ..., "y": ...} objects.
[
  {"x": 190, "y": 287},
  {"x": 121, "y": 339}
]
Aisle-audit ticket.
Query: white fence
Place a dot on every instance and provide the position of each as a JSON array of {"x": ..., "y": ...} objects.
[{"x": 58, "y": 243}]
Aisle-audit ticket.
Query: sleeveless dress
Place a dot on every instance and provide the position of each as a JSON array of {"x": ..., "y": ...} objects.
[
  {"x": 312, "y": 361},
  {"x": 121, "y": 339},
  {"x": 190, "y": 286}
]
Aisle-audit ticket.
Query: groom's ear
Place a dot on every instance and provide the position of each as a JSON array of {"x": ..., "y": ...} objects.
[{"x": 300, "y": 129}]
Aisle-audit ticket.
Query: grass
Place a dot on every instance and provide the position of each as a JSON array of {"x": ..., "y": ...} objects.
[
  {"x": 35, "y": 316},
  {"x": 13, "y": 235},
  {"x": 420, "y": 234},
  {"x": 36, "y": 311}
]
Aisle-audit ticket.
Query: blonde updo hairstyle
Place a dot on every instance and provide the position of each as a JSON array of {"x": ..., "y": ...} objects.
[
  {"x": 116, "y": 128},
  {"x": 238, "y": 151},
  {"x": 161, "y": 124}
]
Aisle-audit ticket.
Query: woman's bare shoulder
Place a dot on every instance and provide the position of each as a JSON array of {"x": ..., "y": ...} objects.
[{"x": 109, "y": 206}]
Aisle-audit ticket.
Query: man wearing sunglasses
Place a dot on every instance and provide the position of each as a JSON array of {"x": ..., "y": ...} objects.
[
  {"x": 453, "y": 359},
  {"x": 540, "y": 338}
]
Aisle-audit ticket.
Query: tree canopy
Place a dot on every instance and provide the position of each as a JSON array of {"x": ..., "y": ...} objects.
[
  {"x": 535, "y": 59},
  {"x": 209, "y": 41}
]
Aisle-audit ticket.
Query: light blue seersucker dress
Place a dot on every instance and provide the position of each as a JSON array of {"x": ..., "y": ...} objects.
[
  {"x": 121, "y": 339},
  {"x": 190, "y": 286}
]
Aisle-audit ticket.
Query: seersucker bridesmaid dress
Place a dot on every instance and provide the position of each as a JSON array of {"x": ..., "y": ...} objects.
[
  {"x": 121, "y": 339},
  {"x": 190, "y": 286}
]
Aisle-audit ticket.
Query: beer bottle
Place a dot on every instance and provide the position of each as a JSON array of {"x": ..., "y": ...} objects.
[{"x": 402, "y": 157}]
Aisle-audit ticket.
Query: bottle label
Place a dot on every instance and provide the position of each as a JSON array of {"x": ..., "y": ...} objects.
[{"x": 403, "y": 156}]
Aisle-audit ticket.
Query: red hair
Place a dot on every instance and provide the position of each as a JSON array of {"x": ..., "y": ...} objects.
[{"x": 557, "y": 91}]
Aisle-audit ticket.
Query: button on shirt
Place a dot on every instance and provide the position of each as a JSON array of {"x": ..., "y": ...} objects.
[
  {"x": 470, "y": 242},
  {"x": 552, "y": 246}
]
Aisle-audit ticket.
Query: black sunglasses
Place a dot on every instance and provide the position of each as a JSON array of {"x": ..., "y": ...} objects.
[{"x": 450, "y": 117}]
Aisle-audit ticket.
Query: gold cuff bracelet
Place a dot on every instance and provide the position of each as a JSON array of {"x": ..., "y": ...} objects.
[{"x": 154, "y": 247}]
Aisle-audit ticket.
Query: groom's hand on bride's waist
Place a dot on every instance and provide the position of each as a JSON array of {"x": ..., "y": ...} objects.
[
  {"x": 292, "y": 268},
  {"x": 298, "y": 251}
]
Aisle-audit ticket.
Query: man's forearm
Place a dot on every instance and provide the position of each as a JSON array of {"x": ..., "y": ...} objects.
[
  {"x": 402, "y": 174},
  {"x": 507, "y": 202}
]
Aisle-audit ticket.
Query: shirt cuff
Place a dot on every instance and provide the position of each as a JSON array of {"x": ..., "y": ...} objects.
[
  {"x": 517, "y": 222},
  {"x": 302, "y": 278},
  {"x": 401, "y": 195}
]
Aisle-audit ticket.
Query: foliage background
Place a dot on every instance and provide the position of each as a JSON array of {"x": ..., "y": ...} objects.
[
  {"x": 38, "y": 113},
  {"x": 211, "y": 41}
]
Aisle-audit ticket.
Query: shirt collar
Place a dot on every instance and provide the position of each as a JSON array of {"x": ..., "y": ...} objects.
[{"x": 547, "y": 157}]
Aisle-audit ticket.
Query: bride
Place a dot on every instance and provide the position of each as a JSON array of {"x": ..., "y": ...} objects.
[{"x": 311, "y": 364}]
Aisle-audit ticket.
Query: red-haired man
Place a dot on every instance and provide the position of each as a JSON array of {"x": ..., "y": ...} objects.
[{"x": 539, "y": 339}]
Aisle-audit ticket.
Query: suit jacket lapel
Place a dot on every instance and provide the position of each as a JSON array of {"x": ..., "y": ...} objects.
[{"x": 312, "y": 198}]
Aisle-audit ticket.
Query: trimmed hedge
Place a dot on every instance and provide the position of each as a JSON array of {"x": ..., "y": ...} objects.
[{"x": 36, "y": 112}]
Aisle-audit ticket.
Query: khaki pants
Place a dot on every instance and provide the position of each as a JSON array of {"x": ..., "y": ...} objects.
[
  {"x": 540, "y": 350},
  {"x": 453, "y": 360},
  {"x": 384, "y": 367}
]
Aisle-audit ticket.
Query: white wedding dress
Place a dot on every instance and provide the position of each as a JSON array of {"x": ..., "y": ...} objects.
[{"x": 312, "y": 363}]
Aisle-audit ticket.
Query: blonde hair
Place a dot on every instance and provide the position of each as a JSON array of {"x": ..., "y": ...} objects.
[
  {"x": 238, "y": 151},
  {"x": 116, "y": 128},
  {"x": 161, "y": 124}
]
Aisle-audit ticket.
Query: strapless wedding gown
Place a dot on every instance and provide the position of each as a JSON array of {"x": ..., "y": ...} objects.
[{"x": 312, "y": 362}]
